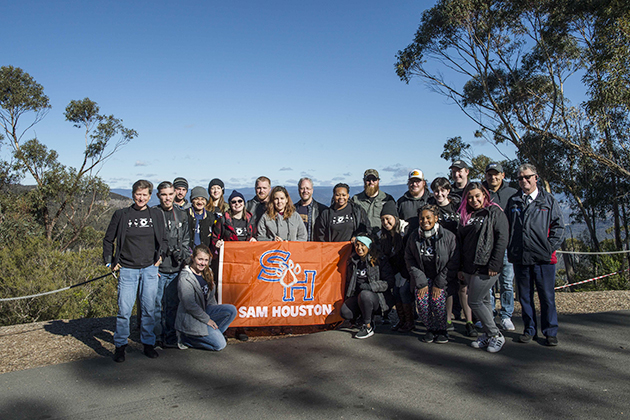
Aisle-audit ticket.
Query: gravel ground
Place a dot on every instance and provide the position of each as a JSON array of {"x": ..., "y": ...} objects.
[{"x": 51, "y": 342}]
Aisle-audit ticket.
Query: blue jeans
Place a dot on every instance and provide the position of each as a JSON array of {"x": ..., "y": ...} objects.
[
  {"x": 222, "y": 315},
  {"x": 543, "y": 276},
  {"x": 506, "y": 288},
  {"x": 132, "y": 281},
  {"x": 403, "y": 293},
  {"x": 166, "y": 302}
]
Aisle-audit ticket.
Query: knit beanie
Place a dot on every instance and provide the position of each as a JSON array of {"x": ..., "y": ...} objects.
[
  {"x": 199, "y": 192},
  {"x": 389, "y": 208},
  {"x": 234, "y": 195},
  {"x": 216, "y": 181},
  {"x": 180, "y": 182}
]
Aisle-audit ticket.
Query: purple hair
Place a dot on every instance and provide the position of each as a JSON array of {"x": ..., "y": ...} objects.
[{"x": 464, "y": 213}]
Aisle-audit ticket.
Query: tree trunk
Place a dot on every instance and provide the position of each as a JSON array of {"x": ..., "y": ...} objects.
[
  {"x": 615, "y": 209},
  {"x": 568, "y": 263}
]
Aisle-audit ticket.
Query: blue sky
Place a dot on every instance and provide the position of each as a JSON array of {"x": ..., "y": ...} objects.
[{"x": 237, "y": 89}]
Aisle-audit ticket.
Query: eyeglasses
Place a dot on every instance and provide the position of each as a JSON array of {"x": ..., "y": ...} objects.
[
  {"x": 236, "y": 202},
  {"x": 370, "y": 179},
  {"x": 527, "y": 177}
]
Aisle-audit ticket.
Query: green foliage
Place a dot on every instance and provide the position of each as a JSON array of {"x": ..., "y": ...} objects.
[
  {"x": 590, "y": 266},
  {"x": 37, "y": 267},
  {"x": 51, "y": 233}
]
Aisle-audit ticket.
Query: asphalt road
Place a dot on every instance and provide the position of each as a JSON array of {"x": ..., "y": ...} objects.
[{"x": 331, "y": 375}]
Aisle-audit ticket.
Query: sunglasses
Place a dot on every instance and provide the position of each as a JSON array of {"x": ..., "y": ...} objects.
[
  {"x": 527, "y": 177},
  {"x": 236, "y": 201}
]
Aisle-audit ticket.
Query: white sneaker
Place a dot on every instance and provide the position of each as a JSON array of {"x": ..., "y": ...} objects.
[
  {"x": 481, "y": 343},
  {"x": 496, "y": 343},
  {"x": 507, "y": 324}
]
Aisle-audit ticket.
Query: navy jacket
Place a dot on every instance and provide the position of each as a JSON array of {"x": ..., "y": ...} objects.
[{"x": 536, "y": 231}]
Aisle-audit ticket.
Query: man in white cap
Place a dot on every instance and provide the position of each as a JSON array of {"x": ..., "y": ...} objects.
[{"x": 416, "y": 197}]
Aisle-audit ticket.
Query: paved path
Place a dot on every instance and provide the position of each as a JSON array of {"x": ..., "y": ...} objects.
[{"x": 331, "y": 375}]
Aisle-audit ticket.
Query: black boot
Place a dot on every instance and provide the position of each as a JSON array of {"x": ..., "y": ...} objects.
[
  {"x": 150, "y": 352},
  {"x": 119, "y": 354},
  {"x": 409, "y": 324},
  {"x": 401, "y": 317}
]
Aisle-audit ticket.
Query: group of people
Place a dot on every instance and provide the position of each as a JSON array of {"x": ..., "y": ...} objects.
[{"x": 428, "y": 254}]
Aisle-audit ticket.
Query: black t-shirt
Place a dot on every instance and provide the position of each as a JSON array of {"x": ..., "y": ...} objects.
[
  {"x": 204, "y": 286},
  {"x": 138, "y": 250},
  {"x": 449, "y": 216},
  {"x": 469, "y": 236},
  {"x": 303, "y": 212},
  {"x": 362, "y": 277},
  {"x": 427, "y": 254},
  {"x": 341, "y": 224},
  {"x": 240, "y": 227}
]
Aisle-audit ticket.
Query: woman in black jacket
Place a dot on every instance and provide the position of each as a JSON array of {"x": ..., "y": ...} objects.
[
  {"x": 483, "y": 236},
  {"x": 432, "y": 259},
  {"x": 368, "y": 276},
  {"x": 392, "y": 240}
]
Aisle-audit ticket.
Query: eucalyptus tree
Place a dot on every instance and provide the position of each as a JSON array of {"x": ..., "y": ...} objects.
[{"x": 64, "y": 197}]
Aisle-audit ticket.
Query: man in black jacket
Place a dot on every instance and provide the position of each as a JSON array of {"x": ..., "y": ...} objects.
[
  {"x": 257, "y": 206},
  {"x": 536, "y": 230},
  {"x": 500, "y": 193},
  {"x": 177, "y": 232},
  {"x": 414, "y": 199},
  {"x": 140, "y": 249},
  {"x": 308, "y": 208}
]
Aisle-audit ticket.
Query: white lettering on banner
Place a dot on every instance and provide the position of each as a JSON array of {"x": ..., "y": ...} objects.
[
  {"x": 253, "y": 312},
  {"x": 284, "y": 311}
]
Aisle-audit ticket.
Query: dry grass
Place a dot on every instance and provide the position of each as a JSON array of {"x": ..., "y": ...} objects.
[{"x": 52, "y": 342}]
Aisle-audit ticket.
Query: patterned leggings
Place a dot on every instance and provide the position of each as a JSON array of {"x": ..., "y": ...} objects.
[{"x": 432, "y": 311}]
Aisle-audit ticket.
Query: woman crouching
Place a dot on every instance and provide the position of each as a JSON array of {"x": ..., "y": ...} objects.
[
  {"x": 432, "y": 259},
  {"x": 200, "y": 321},
  {"x": 368, "y": 277}
]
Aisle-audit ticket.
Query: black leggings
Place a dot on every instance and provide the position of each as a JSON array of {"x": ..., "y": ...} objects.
[{"x": 365, "y": 304}]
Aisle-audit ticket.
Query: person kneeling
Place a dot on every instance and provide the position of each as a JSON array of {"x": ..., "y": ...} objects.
[
  {"x": 368, "y": 277},
  {"x": 200, "y": 321}
]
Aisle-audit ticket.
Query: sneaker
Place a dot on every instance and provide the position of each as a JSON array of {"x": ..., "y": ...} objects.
[
  {"x": 450, "y": 326},
  {"x": 525, "y": 338},
  {"x": 441, "y": 339},
  {"x": 496, "y": 343},
  {"x": 119, "y": 354},
  {"x": 481, "y": 342},
  {"x": 365, "y": 332},
  {"x": 470, "y": 330},
  {"x": 551, "y": 341},
  {"x": 150, "y": 352},
  {"x": 507, "y": 324},
  {"x": 429, "y": 337}
]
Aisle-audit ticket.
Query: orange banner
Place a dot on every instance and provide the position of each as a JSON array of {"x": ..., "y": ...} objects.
[{"x": 283, "y": 283}]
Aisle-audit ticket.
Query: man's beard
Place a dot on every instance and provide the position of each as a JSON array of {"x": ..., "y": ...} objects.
[{"x": 371, "y": 190}]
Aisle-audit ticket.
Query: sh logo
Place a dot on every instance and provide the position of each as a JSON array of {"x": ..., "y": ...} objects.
[{"x": 275, "y": 266}]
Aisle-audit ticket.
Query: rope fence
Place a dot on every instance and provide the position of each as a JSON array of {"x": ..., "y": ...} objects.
[{"x": 59, "y": 290}]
